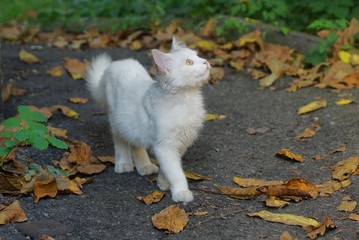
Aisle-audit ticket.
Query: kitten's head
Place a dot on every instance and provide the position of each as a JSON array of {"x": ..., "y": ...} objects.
[{"x": 181, "y": 67}]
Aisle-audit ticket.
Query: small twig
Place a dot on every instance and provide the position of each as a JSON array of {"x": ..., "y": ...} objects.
[{"x": 221, "y": 216}]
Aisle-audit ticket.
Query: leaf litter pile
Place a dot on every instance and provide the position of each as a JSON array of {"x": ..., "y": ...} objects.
[{"x": 264, "y": 61}]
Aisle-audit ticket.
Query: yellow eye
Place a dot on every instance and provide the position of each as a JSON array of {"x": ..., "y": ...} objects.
[{"x": 189, "y": 62}]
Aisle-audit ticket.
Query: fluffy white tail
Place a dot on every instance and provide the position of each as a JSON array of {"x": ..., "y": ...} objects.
[{"x": 94, "y": 76}]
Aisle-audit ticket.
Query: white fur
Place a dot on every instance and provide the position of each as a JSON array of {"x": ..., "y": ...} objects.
[{"x": 165, "y": 114}]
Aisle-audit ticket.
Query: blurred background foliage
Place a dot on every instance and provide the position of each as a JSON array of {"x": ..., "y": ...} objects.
[{"x": 304, "y": 15}]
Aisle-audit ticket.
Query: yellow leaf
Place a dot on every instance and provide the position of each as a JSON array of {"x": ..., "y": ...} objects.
[
  {"x": 347, "y": 205},
  {"x": 212, "y": 117},
  {"x": 199, "y": 213},
  {"x": 76, "y": 68},
  {"x": 344, "y": 56},
  {"x": 315, "y": 105},
  {"x": 344, "y": 101},
  {"x": 313, "y": 232},
  {"x": 240, "y": 193},
  {"x": 172, "y": 218},
  {"x": 78, "y": 100},
  {"x": 153, "y": 197},
  {"x": 275, "y": 202},
  {"x": 55, "y": 71},
  {"x": 251, "y": 182},
  {"x": 286, "y": 153},
  {"x": 68, "y": 112},
  {"x": 343, "y": 169},
  {"x": 195, "y": 176},
  {"x": 354, "y": 217},
  {"x": 285, "y": 218},
  {"x": 12, "y": 213},
  {"x": 206, "y": 45},
  {"x": 45, "y": 186},
  {"x": 27, "y": 57}
]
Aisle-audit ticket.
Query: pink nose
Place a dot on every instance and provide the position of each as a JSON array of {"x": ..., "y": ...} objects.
[{"x": 205, "y": 62}]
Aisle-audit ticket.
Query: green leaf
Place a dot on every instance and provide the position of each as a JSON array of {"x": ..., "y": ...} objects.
[
  {"x": 22, "y": 135},
  {"x": 4, "y": 151},
  {"x": 55, "y": 142},
  {"x": 24, "y": 112},
  {"x": 38, "y": 142},
  {"x": 10, "y": 143},
  {"x": 36, "y": 167},
  {"x": 39, "y": 128},
  {"x": 11, "y": 122},
  {"x": 6, "y": 134},
  {"x": 37, "y": 117}
]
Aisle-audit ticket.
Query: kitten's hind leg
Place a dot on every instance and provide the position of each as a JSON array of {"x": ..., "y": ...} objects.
[
  {"x": 142, "y": 161},
  {"x": 123, "y": 160},
  {"x": 162, "y": 182}
]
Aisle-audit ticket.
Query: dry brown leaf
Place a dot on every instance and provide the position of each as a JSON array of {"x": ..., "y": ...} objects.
[
  {"x": 252, "y": 37},
  {"x": 10, "y": 90},
  {"x": 105, "y": 159},
  {"x": 251, "y": 182},
  {"x": 172, "y": 218},
  {"x": 347, "y": 205},
  {"x": 285, "y": 236},
  {"x": 315, "y": 231},
  {"x": 287, "y": 154},
  {"x": 78, "y": 100},
  {"x": 274, "y": 202},
  {"x": 28, "y": 57},
  {"x": 329, "y": 187},
  {"x": 80, "y": 152},
  {"x": 216, "y": 74},
  {"x": 209, "y": 27},
  {"x": 47, "y": 112},
  {"x": 285, "y": 218},
  {"x": 354, "y": 217},
  {"x": 46, "y": 237},
  {"x": 12, "y": 213},
  {"x": 298, "y": 187},
  {"x": 196, "y": 176},
  {"x": 68, "y": 112},
  {"x": 204, "y": 213},
  {"x": 57, "y": 132},
  {"x": 55, "y": 71},
  {"x": 307, "y": 133},
  {"x": 237, "y": 64},
  {"x": 240, "y": 193},
  {"x": 44, "y": 186},
  {"x": 343, "y": 169},
  {"x": 153, "y": 197},
  {"x": 67, "y": 186},
  {"x": 91, "y": 168},
  {"x": 76, "y": 68},
  {"x": 10, "y": 184},
  {"x": 313, "y": 106}
]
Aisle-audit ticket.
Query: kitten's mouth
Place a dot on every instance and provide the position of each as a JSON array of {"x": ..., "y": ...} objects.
[{"x": 204, "y": 76}]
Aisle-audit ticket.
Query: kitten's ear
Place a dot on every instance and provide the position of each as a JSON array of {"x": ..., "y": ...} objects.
[
  {"x": 177, "y": 44},
  {"x": 162, "y": 60}
]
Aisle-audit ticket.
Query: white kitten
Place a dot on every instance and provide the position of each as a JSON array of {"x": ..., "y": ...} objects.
[{"x": 165, "y": 114}]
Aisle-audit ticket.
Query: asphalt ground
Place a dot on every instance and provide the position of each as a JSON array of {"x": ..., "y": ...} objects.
[{"x": 108, "y": 209}]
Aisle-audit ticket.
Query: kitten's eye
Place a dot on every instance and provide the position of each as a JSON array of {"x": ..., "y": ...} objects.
[{"x": 189, "y": 62}]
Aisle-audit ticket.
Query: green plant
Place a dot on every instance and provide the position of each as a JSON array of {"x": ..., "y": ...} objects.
[
  {"x": 228, "y": 26},
  {"x": 27, "y": 128}
]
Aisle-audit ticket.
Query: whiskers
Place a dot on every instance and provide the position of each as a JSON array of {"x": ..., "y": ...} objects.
[{"x": 213, "y": 90}]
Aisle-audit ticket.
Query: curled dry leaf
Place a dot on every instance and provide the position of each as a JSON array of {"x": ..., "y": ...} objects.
[
  {"x": 344, "y": 101},
  {"x": 12, "y": 213},
  {"x": 274, "y": 202},
  {"x": 44, "y": 186},
  {"x": 68, "y": 112},
  {"x": 78, "y": 100},
  {"x": 91, "y": 168},
  {"x": 76, "y": 68},
  {"x": 307, "y": 133},
  {"x": 285, "y": 218},
  {"x": 240, "y": 193},
  {"x": 80, "y": 152},
  {"x": 315, "y": 231},
  {"x": 105, "y": 159},
  {"x": 287, "y": 154},
  {"x": 57, "y": 132},
  {"x": 28, "y": 57},
  {"x": 298, "y": 187},
  {"x": 347, "y": 205},
  {"x": 212, "y": 117},
  {"x": 172, "y": 218},
  {"x": 315, "y": 105},
  {"x": 251, "y": 182},
  {"x": 153, "y": 197},
  {"x": 55, "y": 71},
  {"x": 345, "y": 168},
  {"x": 10, "y": 90},
  {"x": 195, "y": 176}
]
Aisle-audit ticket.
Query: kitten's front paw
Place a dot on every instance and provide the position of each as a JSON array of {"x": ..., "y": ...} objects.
[
  {"x": 148, "y": 170},
  {"x": 124, "y": 167},
  {"x": 183, "y": 196},
  {"x": 163, "y": 183}
]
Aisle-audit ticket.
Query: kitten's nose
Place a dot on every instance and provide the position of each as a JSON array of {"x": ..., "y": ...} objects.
[{"x": 206, "y": 62}]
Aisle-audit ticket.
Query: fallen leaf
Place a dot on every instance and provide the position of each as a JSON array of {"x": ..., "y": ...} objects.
[
  {"x": 12, "y": 213},
  {"x": 80, "y": 152},
  {"x": 251, "y": 182},
  {"x": 57, "y": 132},
  {"x": 240, "y": 193},
  {"x": 68, "y": 112},
  {"x": 172, "y": 218},
  {"x": 347, "y": 205},
  {"x": 343, "y": 169},
  {"x": 257, "y": 130},
  {"x": 314, "y": 231},
  {"x": 298, "y": 187},
  {"x": 46, "y": 237},
  {"x": 78, "y": 100},
  {"x": 285, "y": 236},
  {"x": 105, "y": 159},
  {"x": 47, "y": 112},
  {"x": 11, "y": 90},
  {"x": 288, "y": 219},
  {"x": 209, "y": 27},
  {"x": 287, "y": 154},
  {"x": 216, "y": 74},
  {"x": 354, "y": 217},
  {"x": 28, "y": 57},
  {"x": 307, "y": 133},
  {"x": 274, "y": 202},
  {"x": 344, "y": 101},
  {"x": 91, "y": 168},
  {"x": 212, "y": 117},
  {"x": 195, "y": 176},
  {"x": 199, "y": 213},
  {"x": 76, "y": 68},
  {"x": 44, "y": 186},
  {"x": 55, "y": 71},
  {"x": 252, "y": 37},
  {"x": 328, "y": 188},
  {"x": 315, "y": 105},
  {"x": 153, "y": 197},
  {"x": 66, "y": 185}
]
